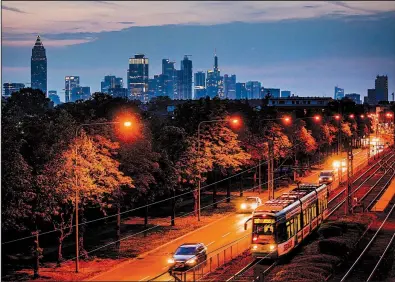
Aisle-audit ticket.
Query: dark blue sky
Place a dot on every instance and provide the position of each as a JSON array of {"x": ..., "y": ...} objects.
[{"x": 307, "y": 56}]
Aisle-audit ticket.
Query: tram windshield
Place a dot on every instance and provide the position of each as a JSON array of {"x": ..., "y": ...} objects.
[{"x": 263, "y": 226}]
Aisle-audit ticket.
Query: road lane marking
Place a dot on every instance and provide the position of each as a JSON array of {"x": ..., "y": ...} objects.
[
  {"x": 210, "y": 243},
  {"x": 144, "y": 278},
  {"x": 225, "y": 234}
]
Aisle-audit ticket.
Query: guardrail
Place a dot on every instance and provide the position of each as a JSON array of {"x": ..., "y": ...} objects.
[{"x": 215, "y": 259}]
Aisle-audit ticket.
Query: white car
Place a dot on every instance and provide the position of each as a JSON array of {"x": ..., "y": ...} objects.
[{"x": 250, "y": 204}]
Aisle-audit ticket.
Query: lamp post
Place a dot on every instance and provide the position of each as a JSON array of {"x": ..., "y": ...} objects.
[
  {"x": 233, "y": 121},
  {"x": 126, "y": 124}
]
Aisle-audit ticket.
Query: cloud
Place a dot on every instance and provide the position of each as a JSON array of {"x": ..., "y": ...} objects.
[
  {"x": 100, "y": 16},
  {"x": 12, "y": 9},
  {"x": 48, "y": 42}
]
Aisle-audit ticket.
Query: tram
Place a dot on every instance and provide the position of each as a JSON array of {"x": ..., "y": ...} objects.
[{"x": 281, "y": 224}]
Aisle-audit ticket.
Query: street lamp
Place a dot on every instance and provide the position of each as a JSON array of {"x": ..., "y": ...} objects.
[
  {"x": 126, "y": 124},
  {"x": 235, "y": 121},
  {"x": 337, "y": 165}
]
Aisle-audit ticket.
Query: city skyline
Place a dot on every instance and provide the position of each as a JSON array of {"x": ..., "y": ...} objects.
[{"x": 362, "y": 43}]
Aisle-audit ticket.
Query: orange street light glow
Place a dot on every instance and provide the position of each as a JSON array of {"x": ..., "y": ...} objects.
[
  {"x": 127, "y": 123},
  {"x": 287, "y": 119},
  {"x": 317, "y": 118},
  {"x": 337, "y": 117},
  {"x": 351, "y": 116},
  {"x": 362, "y": 116},
  {"x": 235, "y": 121}
]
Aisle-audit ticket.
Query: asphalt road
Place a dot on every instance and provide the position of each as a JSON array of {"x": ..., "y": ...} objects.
[{"x": 214, "y": 236}]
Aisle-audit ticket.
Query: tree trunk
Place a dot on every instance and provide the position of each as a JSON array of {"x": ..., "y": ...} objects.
[
  {"x": 60, "y": 255},
  {"x": 83, "y": 252},
  {"x": 241, "y": 185},
  {"x": 228, "y": 191},
  {"x": 173, "y": 208},
  {"x": 195, "y": 202},
  {"x": 146, "y": 219},
  {"x": 215, "y": 191},
  {"x": 118, "y": 229},
  {"x": 36, "y": 260}
]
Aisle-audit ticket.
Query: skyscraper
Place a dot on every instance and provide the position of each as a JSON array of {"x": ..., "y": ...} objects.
[
  {"x": 80, "y": 93},
  {"x": 138, "y": 78},
  {"x": 111, "y": 81},
  {"x": 253, "y": 90},
  {"x": 38, "y": 68},
  {"x": 371, "y": 100},
  {"x": 70, "y": 82},
  {"x": 215, "y": 82},
  {"x": 381, "y": 86},
  {"x": 200, "y": 85},
  {"x": 355, "y": 97},
  {"x": 339, "y": 93},
  {"x": 9, "y": 88},
  {"x": 186, "y": 79},
  {"x": 241, "y": 91},
  {"x": 230, "y": 86},
  {"x": 169, "y": 78}
]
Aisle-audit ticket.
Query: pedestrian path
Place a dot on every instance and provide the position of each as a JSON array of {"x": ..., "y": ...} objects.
[{"x": 385, "y": 199}]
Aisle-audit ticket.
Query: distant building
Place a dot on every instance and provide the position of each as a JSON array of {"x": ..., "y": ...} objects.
[
  {"x": 169, "y": 78},
  {"x": 339, "y": 93},
  {"x": 214, "y": 81},
  {"x": 138, "y": 78},
  {"x": 371, "y": 98},
  {"x": 230, "y": 86},
  {"x": 186, "y": 79},
  {"x": 271, "y": 92},
  {"x": 285, "y": 93},
  {"x": 253, "y": 90},
  {"x": 241, "y": 91},
  {"x": 9, "y": 88},
  {"x": 200, "y": 85},
  {"x": 53, "y": 96},
  {"x": 38, "y": 69},
  {"x": 80, "y": 93},
  {"x": 355, "y": 97},
  {"x": 381, "y": 87},
  {"x": 299, "y": 102},
  {"x": 118, "y": 92},
  {"x": 111, "y": 81},
  {"x": 70, "y": 82}
]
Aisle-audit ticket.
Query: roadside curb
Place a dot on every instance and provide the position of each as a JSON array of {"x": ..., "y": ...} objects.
[{"x": 157, "y": 248}]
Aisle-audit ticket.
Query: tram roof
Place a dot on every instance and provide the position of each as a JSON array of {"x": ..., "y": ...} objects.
[{"x": 286, "y": 199}]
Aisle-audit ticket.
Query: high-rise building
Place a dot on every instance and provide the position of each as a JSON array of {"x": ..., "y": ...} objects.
[
  {"x": 186, "y": 79},
  {"x": 200, "y": 85},
  {"x": 271, "y": 92},
  {"x": 118, "y": 92},
  {"x": 80, "y": 93},
  {"x": 9, "y": 88},
  {"x": 339, "y": 93},
  {"x": 178, "y": 85},
  {"x": 241, "y": 91},
  {"x": 230, "y": 86},
  {"x": 214, "y": 81},
  {"x": 285, "y": 93},
  {"x": 53, "y": 96},
  {"x": 70, "y": 82},
  {"x": 138, "y": 78},
  {"x": 372, "y": 100},
  {"x": 111, "y": 81},
  {"x": 381, "y": 87},
  {"x": 355, "y": 97},
  {"x": 253, "y": 90},
  {"x": 38, "y": 68},
  {"x": 169, "y": 78}
]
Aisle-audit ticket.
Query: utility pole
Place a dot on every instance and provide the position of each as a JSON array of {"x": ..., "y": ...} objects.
[
  {"x": 348, "y": 204},
  {"x": 259, "y": 178},
  {"x": 270, "y": 170},
  {"x": 339, "y": 143}
]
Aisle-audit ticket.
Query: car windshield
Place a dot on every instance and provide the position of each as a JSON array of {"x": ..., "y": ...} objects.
[
  {"x": 185, "y": 251},
  {"x": 326, "y": 173},
  {"x": 251, "y": 200}
]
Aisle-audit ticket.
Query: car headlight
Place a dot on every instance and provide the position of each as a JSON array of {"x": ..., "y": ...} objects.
[
  {"x": 243, "y": 206},
  {"x": 170, "y": 260},
  {"x": 254, "y": 206},
  {"x": 191, "y": 261}
]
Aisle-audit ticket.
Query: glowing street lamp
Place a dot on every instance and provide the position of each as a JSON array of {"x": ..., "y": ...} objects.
[
  {"x": 362, "y": 116},
  {"x": 127, "y": 124},
  {"x": 351, "y": 116},
  {"x": 317, "y": 117}
]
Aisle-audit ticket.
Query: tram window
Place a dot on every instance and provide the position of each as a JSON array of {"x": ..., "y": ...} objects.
[
  {"x": 263, "y": 229},
  {"x": 299, "y": 223},
  {"x": 290, "y": 228},
  {"x": 281, "y": 233},
  {"x": 306, "y": 217},
  {"x": 314, "y": 210}
]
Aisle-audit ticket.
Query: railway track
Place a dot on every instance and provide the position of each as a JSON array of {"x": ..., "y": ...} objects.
[
  {"x": 369, "y": 265},
  {"x": 377, "y": 175}
]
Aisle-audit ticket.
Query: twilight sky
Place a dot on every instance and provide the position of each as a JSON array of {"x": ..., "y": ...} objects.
[{"x": 305, "y": 47}]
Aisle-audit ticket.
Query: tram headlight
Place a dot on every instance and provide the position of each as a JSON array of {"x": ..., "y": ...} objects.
[
  {"x": 272, "y": 247},
  {"x": 254, "y": 247},
  {"x": 243, "y": 206}
]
